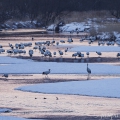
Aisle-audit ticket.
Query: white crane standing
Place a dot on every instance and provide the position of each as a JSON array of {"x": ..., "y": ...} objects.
[{"x": 89, "y": 72}]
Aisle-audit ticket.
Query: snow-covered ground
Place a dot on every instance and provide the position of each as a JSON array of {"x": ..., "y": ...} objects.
[
  {"x": 15, "y": 118},
  {"x": 71, "y": 27},
  {"x": 74, "y": 25},
  {"x": 32, "y": 67},
  {"x": 83, "y": 27},
  {"x": 95, "y": 48},
  {"x": 20, "y": 24},
  {"x": 102, "y": 88}
]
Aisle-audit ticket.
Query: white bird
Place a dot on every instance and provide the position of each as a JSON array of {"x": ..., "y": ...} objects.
[
  {"x": 46, "y": 73},
  {"x": 89, "y": 72}
]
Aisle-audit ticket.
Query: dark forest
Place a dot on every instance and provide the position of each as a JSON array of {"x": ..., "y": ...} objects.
[{"x": 48, "y": 10}]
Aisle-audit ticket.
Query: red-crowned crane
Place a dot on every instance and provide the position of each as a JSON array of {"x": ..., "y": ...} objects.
[
  {"x": 46, "y": 73},
  {"x": 89, "y": 72}
]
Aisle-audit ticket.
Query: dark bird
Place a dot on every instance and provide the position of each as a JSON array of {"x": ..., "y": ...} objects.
[
  {"x": 46, "y": 73},
  {"x": 87, "y": 53},
  {"x": 61, "y": 53},
  {"x": 66, "y": 50},
  {"x": 32, "y": 38},
  {"x": 89, "y": 72},
  {"x": 54, "y": 53},
  {"x": 118, "y": 55},
  {"x": 56, "y": 98},
  {"x": 99, "y": 53},
  {"x": 5, "y": 75}
]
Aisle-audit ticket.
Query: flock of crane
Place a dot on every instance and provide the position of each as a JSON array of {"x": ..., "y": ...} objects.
[{"x": 19, "y": 48}]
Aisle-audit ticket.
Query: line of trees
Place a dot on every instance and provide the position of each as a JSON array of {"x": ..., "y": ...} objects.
[{"x": 49, "y": 10}]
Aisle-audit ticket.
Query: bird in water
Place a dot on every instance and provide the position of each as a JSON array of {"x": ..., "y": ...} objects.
[{"x": 89, "y": 72}]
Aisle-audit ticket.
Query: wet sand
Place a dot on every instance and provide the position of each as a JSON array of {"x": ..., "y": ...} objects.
[{"x": 56, "y": 106}]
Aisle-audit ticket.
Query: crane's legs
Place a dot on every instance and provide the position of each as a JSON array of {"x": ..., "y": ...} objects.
[
  {"x": 5, "y": 79},
  {"x": 88, "y": 76},
  {"x": 46, "y": 77}
]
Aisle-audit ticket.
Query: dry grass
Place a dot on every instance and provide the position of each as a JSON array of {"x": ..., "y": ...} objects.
[
  {"x": 82, "y": 16},
  {"x": 110, "y": 28},
  {"x": 107, "y": 28}
]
